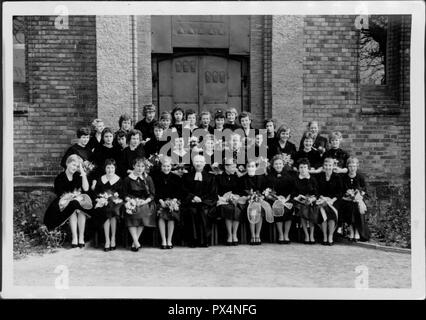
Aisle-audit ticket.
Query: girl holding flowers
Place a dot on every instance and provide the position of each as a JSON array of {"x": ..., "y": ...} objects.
[
  {"x": 107, "y": 190},
  {"x": 71, "y": 203},
  {"x": 139, "y": 206},
  {"x": 335, "y": 152},
  {"x": 280, "y": 187},
  {"x": 167, "y": 197},
  {"x": 353, "y": 206}
]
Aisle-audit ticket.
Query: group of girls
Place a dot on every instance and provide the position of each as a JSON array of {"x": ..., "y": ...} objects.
[{"x": 125, "y": 176}]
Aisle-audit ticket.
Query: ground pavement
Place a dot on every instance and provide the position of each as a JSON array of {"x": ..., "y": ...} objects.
[{"x": 268, "y": 265}]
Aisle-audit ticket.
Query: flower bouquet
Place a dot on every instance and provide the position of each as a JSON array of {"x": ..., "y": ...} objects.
[
  {"x": 88, "y": 166},
  {"x": 83, "y": 199},
  {"x": 357, "y": 196},
  {"x": 132, "y": 203},
  {"x": 170, "y": 204},
  {"x": 307, "y": 200},
  {"x": 256, "y": 204},
  {"x": 193, "y": 141},
  {"x": 228, "y": 198},
  {"x": 323, "y": 202},
  {"x": 102, "y": 200},
  {"x": 179, "y": 169}
]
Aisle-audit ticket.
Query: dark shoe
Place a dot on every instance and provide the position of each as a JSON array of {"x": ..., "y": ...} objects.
[
  {"x": 286, "y": 241},
  {"x": 252, "y": 243},
  {"x": 204, "y": 245},
  {"x": 235, "y": 243},
  {"x": 107, "y": 249},
  {"x": 134, "y": 249},
  {"x": 312, "y": 242},
  {"x": 324, "y": 243},
  {"x": 169, "y": 247},
  {"x": 228, "y": 243},
  {"x": 192, "y": 245},
  {"x": 331, "y": 243},
  {"x": 74, "y": 246},
  {"x": 113, "y": 248},
  {"x": 163, "y": 247},
  {"x": 306, "y": 242},
  {"x": 81, "y": 245},
  {"x": 280, "y": 241}
]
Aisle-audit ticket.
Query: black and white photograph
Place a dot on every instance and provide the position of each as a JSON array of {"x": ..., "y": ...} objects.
[{"x": 201, "y": 150}]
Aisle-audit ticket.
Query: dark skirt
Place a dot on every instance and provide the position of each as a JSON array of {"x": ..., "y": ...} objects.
[
  {"x": 308, "y": 212},
  {"x": 287, "y": 216},
  {"x": 100, "y": 215},
  {"x": 197, "y": 223},
  {"x": 229, "y": 212},
  {"x": 350, "y": 214},
  {"x": 143, "y": 217},
  {"x": 168, "y": 215},
  {"x": 54, "y": 217}
]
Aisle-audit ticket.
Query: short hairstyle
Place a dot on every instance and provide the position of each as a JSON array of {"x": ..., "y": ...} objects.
[
  {"x": 166, "y": 159},
  {"x": 105, "y": 131},
  {"x": 267, "y": 121},
  {"x": 303, "y": 161},
  {"x": 219, "y": 115},
  {"x": 148, "y": 108},
  {"x": 121, "y": 133},
  {"x": 110, "y": 162},
  {"x": 205, "y": 113},
  {"x": 276, "y": 158},
  {"x": 124, "y": 117},
  {"x": 335, "y": 135},
  {"x": 281, "y": 129},
  {"x": 176, "y": 109},
  {"x": 189, "y": 112},
  {"x": 312, "y": 122},
  {"x": 138, "y": 160},
  {"x": 158, "y": 125},
  {"x": 134, "y": 132},
  {"x": 84, "y": 131},
  {"x": 74, "y": 158},
  {"x": 198, "y": 156},
  {"x": 95, "y": 122},
  {"x": 328, "y": 159},
  {"x": 352, "y": 160},
  {"x": 165, "y": 115},
  {"x": 244, "y": 114},
  {"x": 251, "y": 161},
  {"x": 309, "y": 135},
  {"x": 231, "y": 110}
]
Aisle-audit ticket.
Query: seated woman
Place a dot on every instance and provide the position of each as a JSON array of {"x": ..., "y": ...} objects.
[
  {"x": 330, "y": 190},
  {"x": 199, "y": 202},
  {"x": 71, "y": 204},
  {"x": 229, "y": 190},
  {"x": 168, "y": 188},
  {"x": 319, "y": 142},
  {"x": 250, "y": 183},
  {"x": 305, "y": 194},
  {"x": 282, "y": 184},
  {"x": 107, "y": 190},
  {"x": 133, "y": 151},
  {"x": 335, "y": 152},
  {"x": 353, "y": 207},
  {"x": 139, "y": 207},
  {"x": 309, "y": 153},
  {"x": 80, "y": 148}
]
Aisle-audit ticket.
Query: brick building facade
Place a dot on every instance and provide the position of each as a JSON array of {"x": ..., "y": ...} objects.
[{"x": 293, "y": 69}]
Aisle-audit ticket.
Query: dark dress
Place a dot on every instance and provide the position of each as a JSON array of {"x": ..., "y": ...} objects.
[
  {"x": 100, "y": 215},
  {"x": 340, "y": 155},
  {"x": 147, "y": 128},
  {"x": 102, "y": 153},
  {"x": 154, "y": 146},
  {"x": 350, "y": 210},
  {"x": 54, "y": 217},
  {"x": 135, "y": 187},
  {"x": 283, "y": 185},
  {"x": 289, "y": 149},
  {"x": 94, "y": 143},
  {"x": 178, "y": 128},
  {"x": 319, "y": 142},
  {"x": 233, "y": 127},
  {"x": 128, "y": 156},
  {"x": 332, "y": 188},
  {"x": 197, "y": 217},
  {"x": 306, "y": 187},
  {"x": 84, "y": 152},
  {"x": 270, "y": 142},
  {"x": 167, "y": 186},
  {"x": 225, "y": 183},
  {"x": 313, "y": 156}
]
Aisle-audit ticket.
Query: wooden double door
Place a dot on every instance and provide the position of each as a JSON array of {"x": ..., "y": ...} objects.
[{"x": 200, "y": 82}]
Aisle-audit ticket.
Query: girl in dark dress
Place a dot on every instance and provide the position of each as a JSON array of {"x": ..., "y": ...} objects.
[
  {"x": 271, "y": 137},
  {"x": 253, "y": 182},
  {"x": 231, "y": 118},
  {"x": 105, "y": 151},
  {"x": 168, "y": 187},
  {"x": 133, "y": 151},
  {"x": 70, "y": 207},
  {"x": 282, "y": 183},
  {"x": 138, "y": 188},
  {"x": 228, "y": 208},
  {"x": 80, "y": 148},
  {"x": 219, "y": 120},
  {"x": 178, "y": 115},
  {"x": 309, "y": 153},
  {"x": 199, "y": 201},
  {"x": 125, "y": 124},
  {"x": 191, "y": 122},
  {"x": 106, "y": 215},
  {"x": 283, "y": 146},
  {"x": 319, "y": 142},
  {"x": 335, "y": 152},
  {"x": 330, "y": 190},
  {"x": 305, "y": 193},
  {"x": 354, "y": 210},
  {"x": 146, "y": 125},
  {"x": 205, "y": 119},
  {"x": 96, "y": 138}
]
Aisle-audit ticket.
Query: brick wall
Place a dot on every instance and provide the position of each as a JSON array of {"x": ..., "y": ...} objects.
[
  {"x": 331, "y": 96},
  {"x": 61, "y": 67}
]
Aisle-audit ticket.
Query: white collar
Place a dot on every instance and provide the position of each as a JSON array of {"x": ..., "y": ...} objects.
[
  {"x": 134, "y": 177},
  {"x": 307, "y": 177},
  {"x": 114, "y": 179}
]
